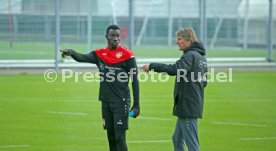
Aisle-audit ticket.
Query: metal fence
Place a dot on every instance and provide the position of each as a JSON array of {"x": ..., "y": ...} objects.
[{"x": 229, "y": 23}]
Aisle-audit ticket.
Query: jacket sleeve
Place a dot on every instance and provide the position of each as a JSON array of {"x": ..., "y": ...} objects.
[
  {"x": 133, "y": 72},
  {"x": 184, "y": 63},
  {"x": 90, "y": 57},
  {"x": 206, "y": 78}
]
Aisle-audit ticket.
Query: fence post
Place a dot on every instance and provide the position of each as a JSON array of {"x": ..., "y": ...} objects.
[
  {"x": 89, "y": 26},
  {"x": 131, "y": 24},
  {"x": 202, "y": 18},
  {"x": 270, "y": 31},
  {"x": 57, "y": 13},
  {"x": 170, "y": 26}
]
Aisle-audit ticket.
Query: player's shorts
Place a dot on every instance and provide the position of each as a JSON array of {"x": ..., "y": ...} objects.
[{"x": 115, "y": 114}]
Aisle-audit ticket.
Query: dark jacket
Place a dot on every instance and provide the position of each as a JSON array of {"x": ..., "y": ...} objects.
[
  {"x": 112, "y": 89},
  {"x": 191, "y": 76}
]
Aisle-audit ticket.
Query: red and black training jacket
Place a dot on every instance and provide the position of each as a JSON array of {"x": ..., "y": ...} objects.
[{"x": 113, "y": 64}]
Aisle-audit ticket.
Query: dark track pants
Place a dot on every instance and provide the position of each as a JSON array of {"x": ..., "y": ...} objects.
[{"x": 117, "y": 139}]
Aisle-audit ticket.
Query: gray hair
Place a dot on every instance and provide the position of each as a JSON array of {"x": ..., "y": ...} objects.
[{"x": 187, "y": 34}]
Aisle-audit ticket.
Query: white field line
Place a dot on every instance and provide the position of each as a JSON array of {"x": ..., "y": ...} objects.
[
  {"x": 257, "y": 139},
  {"x": 155, "y": 118},
  {"x": 28, "y": 98},
  {"x": 13, "y": 146},
  {"x": 67, "y": 113},
  {"x": 239, "y": 124},
  {"x": 151, "y": 141}
]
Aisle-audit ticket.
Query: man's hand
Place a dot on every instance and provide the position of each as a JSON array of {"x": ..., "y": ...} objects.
[
  {"x": 145, "y": 68},
  {"x": 64, "y": 53},
  {"x": 136, "y": 111}
]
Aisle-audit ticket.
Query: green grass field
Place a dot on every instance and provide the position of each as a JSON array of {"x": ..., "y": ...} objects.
[
  {"x": 238, "y": 116},
  {"x": 46, "y": 51}
]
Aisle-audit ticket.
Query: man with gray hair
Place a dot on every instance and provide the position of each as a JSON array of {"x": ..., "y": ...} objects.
[{"x": 190, "y": 71}]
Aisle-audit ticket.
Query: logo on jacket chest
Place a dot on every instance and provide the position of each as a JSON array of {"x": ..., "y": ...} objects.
[
  {"x": 119, "y": 55},
  {"x": 202, "y": 64},
  {"x": 109, "y": 68},
  {"x": 101, "y": 66}
]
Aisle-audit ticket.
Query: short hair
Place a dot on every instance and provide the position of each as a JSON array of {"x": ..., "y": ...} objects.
[
  {"x": 115, "y": 27},
  {"x": 187, "y": 33}
]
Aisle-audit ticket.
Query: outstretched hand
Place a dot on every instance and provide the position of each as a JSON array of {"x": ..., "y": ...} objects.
[
  {"x": 145, "y": 68},
  {"x": 64, "y": 53}
]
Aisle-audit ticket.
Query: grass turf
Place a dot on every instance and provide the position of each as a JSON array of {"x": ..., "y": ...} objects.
[{"x": 31, "y": 114}]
